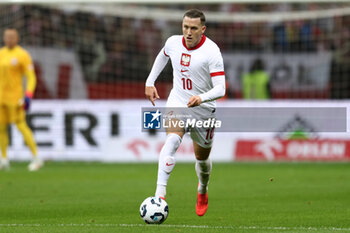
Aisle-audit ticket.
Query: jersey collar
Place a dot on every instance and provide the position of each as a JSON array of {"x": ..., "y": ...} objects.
[
  {"x": 197, "y": 46},
  {"x": 15, "y": 47}
]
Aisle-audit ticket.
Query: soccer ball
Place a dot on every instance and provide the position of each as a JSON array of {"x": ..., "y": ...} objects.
[{"x": 154, "y": 210}]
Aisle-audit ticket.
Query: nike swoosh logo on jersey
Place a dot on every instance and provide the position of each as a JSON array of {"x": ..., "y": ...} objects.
[
  {"x": 183, "y": 70},
  {"x": 169, "y": 164},
  {"x": 206, "y": 143}
]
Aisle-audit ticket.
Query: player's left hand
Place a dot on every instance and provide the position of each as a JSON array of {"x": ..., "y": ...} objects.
[{"x": 194, "y": 101}]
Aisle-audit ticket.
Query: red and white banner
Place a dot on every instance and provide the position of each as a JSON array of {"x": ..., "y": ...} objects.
[
  {"x": 309, "y": 149},
  {"x": 147, "y": 148},
  {"x": 59, "y": 74}
]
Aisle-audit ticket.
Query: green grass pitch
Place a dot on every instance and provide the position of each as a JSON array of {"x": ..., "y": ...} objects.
[{"x": 243, "y": 197}]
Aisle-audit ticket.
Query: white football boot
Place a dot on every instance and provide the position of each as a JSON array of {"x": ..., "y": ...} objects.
[
  {"x": 4, "y": 164},
  {"x": 35, "y": 165}
]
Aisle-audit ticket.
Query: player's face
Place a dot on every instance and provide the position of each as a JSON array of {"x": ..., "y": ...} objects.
[
  {"x": 11, "y": 38},
  {"x": 192, "y": 30}
]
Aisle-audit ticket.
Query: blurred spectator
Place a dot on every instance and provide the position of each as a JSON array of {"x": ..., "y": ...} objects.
[
  {"x": 91, "y": 53},
  {"x": 35, "y": 28},
  {"x": 306, "y": 39},
  {"x": 256, "y": 83}
]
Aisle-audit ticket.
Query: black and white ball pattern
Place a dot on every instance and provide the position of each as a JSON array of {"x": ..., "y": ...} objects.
[{"x": 154, "y": 210}]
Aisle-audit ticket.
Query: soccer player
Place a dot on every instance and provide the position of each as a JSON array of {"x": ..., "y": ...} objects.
[
  {"x": 15, "y": 62},
  {"x": 198, "y": 80}
]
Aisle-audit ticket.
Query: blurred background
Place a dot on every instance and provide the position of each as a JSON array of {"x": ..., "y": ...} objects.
[{"x": 92, "y": 61}]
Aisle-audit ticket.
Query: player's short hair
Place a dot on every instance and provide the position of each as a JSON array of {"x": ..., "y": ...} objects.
[
  {"x": 195, "y": 13},
  {"x": 11, "y": 28}
]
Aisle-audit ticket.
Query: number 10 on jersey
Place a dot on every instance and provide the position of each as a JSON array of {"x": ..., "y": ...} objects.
[{"x": 186, "y": 83}]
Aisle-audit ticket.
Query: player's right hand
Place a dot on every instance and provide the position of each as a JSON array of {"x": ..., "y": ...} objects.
[{"x": 151, "y": 94}]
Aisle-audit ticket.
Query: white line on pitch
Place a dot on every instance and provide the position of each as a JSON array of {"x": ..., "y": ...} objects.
[{"x": 176, "y": 226}]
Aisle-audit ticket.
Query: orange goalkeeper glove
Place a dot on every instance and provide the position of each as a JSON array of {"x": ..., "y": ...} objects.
[{"x": 27, "y": 99}]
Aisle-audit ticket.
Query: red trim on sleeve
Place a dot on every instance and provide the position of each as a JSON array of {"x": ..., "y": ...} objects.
[
  {"x": 165, "y": 53},
  {"x": 197, "y": 46},
  {"x": 217, "y": 74}
]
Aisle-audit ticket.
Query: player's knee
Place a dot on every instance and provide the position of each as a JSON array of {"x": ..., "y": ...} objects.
[
  {"x": 201, "y": 152},
  {"x": 174, "y": 139},
  {"x": 202, "y": 156},
  {"x": 21, "y": 125}
]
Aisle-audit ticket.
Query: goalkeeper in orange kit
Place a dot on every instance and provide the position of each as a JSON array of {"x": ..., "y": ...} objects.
[{"x": 15, "y": 63}]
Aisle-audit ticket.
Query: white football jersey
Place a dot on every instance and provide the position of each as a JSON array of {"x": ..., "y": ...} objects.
[{"x": 192, "y": 69}]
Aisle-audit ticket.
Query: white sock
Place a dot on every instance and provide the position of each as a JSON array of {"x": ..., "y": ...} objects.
[
  {"x": 161, "y": 190},
  {"x": 203, "y": 170},
  {"x": 37, "y": 159},
  {"x": 166, "y": 162}
]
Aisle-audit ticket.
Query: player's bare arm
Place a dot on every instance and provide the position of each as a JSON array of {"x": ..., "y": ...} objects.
[{"x": 151, "y": 94}]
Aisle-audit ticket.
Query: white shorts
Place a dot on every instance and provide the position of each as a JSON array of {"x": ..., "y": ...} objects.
[{"x": 202, "y": 135}]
